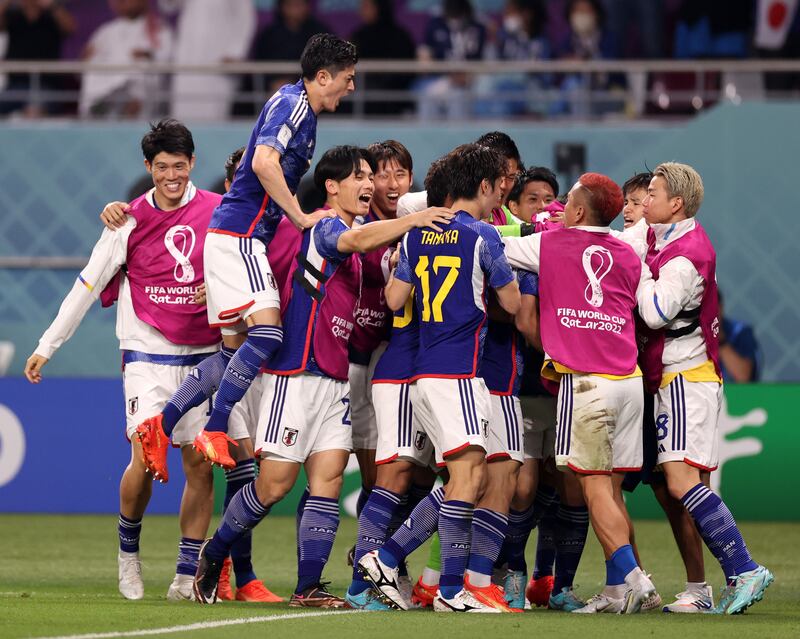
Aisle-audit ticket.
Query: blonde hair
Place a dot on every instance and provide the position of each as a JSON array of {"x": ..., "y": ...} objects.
[{"x": 684, "y": 182}]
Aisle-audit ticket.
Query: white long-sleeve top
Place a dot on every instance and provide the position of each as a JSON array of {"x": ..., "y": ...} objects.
[
  {"x": 108, "y": 257},
  {"x": 678, "y": 287}
]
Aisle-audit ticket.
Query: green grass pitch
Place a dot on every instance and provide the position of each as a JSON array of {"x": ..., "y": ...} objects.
[{"x": 58, "y": 578}]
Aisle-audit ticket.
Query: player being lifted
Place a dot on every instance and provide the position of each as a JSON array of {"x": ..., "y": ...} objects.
[
  {"x": 161, "y": 338},
  {"x": 242, "y": 296},
  {"x": 681, "y": 367},
  {"x": 304, "y": 416},
  {"x": 588, "y": 282},
  {"x": 448, "y": 273}
]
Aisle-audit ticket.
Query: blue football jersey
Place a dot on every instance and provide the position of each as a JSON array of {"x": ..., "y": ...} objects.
[
  {"x": 450, "y": 270},
  {"x": 288, "y": 124},
  {"x": 397, "y": 364},
  {"x": 501, "y": 365}
]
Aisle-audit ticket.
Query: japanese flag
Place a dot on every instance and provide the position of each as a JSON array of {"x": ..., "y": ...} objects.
[{"x": 773, "y": 19}]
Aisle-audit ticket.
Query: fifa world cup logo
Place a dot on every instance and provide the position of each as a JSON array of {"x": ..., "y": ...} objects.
[
  {"x": 179, "y": 241},
  {"x": 597, "y": 262}
]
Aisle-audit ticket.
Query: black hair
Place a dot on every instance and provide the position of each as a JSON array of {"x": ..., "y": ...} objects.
[
  {"x": 140, "y": 187},
  {"x": 389, "y": 150},
  {"x": 502, "y": 143},
  {"x": 329, "y": 52},
  {"x": 339, "y": 162},
  {"x": 533, "y": 174},
  {"x": 168, "y": 136},
  {"x": 232, "y": 162},
  {"x": 540, "y": 16},
  {"x": 469, "y": 165},
  {"x": 638, "y": 181},
  {"x": 437, "y": 182}
]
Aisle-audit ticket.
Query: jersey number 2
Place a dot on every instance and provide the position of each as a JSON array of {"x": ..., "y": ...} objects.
[{"x": 423, "y": 273}]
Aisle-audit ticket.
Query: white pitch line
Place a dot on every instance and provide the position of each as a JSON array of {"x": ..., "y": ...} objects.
[{"x": 203, "y": 625}]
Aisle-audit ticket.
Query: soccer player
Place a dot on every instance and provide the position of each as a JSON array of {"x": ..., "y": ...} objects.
[
  {"x": 507, "y": 148},
  {"x": 242, "y": 296},
  {"x": 162, "y": 336},
  {"x": 241, "y": 430},
  {"x": 404, "y": 451},
  {"x": 588, "y": 282},
  {"x": 533, "y": 191},
  {"x": 681, "y": 367},
  {"x": 447, "y": 272},
  {"x": 304, "y": 410},
  {"x": 634, "y": 191},
  {"x": 392, "y": 180}
]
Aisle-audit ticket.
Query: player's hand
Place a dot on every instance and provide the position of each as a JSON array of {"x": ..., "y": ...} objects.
[
  {"x": 394, "y": 258},
  {"x": 307, "y": 221},
  {"x": 200, "y": 294},
  {"x": 33, "y": 368},
  {"x": 432, "y": 217},
  {"x": 114, "y": 215}
]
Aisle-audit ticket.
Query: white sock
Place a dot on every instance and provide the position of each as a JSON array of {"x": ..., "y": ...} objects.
[
  {"x": 430, "y": 577},
  {"x": 698, "y": 587},
  {"x": 615, "y": 592},
  {"x": 479, "y": 580}
]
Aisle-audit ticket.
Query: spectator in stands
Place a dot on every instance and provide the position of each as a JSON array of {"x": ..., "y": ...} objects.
[
  {"x": 779, "y": 39},
  {"x": 283, "y": 40},
  {"x": 520, "y": 37},
  {"x": 36, "y": 30},
  {"x": 210, "y": 32},
  {"x": 588, "y": 40},
  {"x": 739, "y": 352},
  {"x": 135, "y": 35},
  {"x": 381, "y": 37},
  {"x": 455, "y": 35}
]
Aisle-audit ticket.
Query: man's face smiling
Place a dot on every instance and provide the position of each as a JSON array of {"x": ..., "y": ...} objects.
[
  {"x": 391, "y": 182},
  {"x": 170, "y": 173},
  {"x": 355, "y": 191}
]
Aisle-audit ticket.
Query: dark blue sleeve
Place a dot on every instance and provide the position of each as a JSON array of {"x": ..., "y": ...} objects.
[
  {"x": 403, "y": 271},
  {"x": 281, "y": 122},
  {"x": 326, "y": 234},
  {"x": 493, "y": 257},
  {"x": 528, "y": 283}
]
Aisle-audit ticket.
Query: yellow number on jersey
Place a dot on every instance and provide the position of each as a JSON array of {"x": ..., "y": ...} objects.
[
  {"x": 408, "y": 313},
  {"x": 422, "y": 272}
]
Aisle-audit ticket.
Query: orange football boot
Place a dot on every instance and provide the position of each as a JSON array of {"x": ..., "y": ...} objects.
[
  {"x": 490, "y": 595},
  {"x": 214, "y": 447},
  {"x": 224, "y": 590},
  {"x": 422, "y": 595},
  {"x": 256, "y": 591},
  {"x": 155, "y": 445},
  {"x": 538, "y": 591}
]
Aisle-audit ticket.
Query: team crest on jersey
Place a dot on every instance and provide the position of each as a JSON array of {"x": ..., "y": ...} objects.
[
  {"x": 485, "y": 427},
  {"x": 133, "y": 405},
  {"x": 289, "y": 436},
  {"x": 271, "y": 282},
  {"x": 419, "y": 440}
]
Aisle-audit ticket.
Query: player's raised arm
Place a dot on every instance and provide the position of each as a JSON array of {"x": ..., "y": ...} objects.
[
  {"x": 267, "y": 167},
  {"x": 526, "y": 320},
  {"x": 370, "y": 236}
]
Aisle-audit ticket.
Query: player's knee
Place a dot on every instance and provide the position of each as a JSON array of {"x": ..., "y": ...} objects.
[{"x": 271, "y": 491}]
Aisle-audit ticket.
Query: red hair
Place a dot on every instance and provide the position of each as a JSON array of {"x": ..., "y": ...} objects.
[{"x": 605, "y": 196}]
